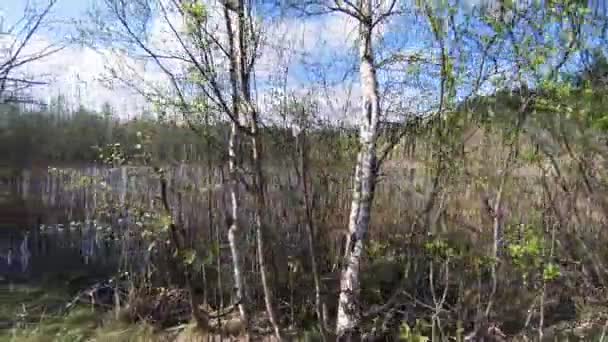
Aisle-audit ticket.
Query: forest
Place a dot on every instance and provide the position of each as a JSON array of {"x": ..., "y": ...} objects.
[{"x": 441, "y": 176}]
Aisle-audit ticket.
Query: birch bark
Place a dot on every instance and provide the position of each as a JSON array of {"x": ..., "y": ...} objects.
[
  {"x": 241, "y": 38},
  {"x": 349, "y": 312},
  {"x": 234, "y": 231}
]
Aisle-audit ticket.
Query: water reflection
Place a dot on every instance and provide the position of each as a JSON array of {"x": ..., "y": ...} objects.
[
  {"x": 55, "y": 248},
  {"x": 24, "y": 253},
  {"x": 15, "y": 255}
]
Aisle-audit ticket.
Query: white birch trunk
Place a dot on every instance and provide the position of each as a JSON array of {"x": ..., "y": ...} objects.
[
  {"x": 234, "y": 232},
  {"x": 239, "y": 37},
  {"x": 124, "y": 182},
  {"x": 363, "y": 191}
]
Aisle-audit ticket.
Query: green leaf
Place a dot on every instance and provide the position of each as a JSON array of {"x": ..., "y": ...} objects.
[
  {"x": 551, "y": 272},
  {"x": 165, "y": 222},
  {"x": 208, "y": 259},
  {"x": 189, "y": 256}
]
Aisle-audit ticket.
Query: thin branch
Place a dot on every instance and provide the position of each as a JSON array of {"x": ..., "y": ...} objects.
[
  {"x": 386, "y": 14},
  {"x": 36, "y": 25}
]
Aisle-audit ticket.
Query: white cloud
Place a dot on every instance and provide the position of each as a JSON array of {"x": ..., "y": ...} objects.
[
  {"x": 78, "y": 73},
  {"x": 81, "y": 73},
  {"x": 292, "y": 42}
]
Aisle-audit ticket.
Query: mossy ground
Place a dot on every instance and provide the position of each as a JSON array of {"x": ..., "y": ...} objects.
[
  {"x": 29, "y": 313},
  {"x": 33, "y": 314}
]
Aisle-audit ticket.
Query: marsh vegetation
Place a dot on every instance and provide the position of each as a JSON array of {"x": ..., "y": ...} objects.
[{"x": 472, "y": 210}]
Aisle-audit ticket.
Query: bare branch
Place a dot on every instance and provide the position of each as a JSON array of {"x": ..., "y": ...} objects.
[
  {"x": 383, "y": 16},
  {"x": 23, "y": 32}
]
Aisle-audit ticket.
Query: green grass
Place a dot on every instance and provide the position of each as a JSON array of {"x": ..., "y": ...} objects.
[
  {"x": 32, "y": 302},
  {"x": 36, "y": 311},
  {"x": 79, "y": 325}
]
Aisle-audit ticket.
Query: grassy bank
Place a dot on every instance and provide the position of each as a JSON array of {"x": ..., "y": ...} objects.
[{"x": 34, "y": 313}]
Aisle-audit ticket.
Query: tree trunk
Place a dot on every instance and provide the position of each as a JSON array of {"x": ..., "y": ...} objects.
[
  {"x": 234, "y": 231},
  {"x": 363, "y": 191},
  {"x": 260, "y": 208},
  {"x": 240, "y": 63},
  {"x": 304, "y": 177}
]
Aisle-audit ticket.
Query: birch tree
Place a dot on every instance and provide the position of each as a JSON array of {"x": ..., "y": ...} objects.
[
  {"x": 367, "y": 14},
  {"x": 238, "y": 28},
  {"x": 243, "y": 23},
  {"x": 211, "y": 57},
  {"x": 364, "y": 177},
  {"x": 234, "y": 231},
  {"x": 209, "y": 71}
]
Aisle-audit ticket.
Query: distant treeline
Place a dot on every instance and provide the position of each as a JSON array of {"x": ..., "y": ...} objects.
[
  {"x": 58, "y": 136},
  {"x": 28, "y": 136}
]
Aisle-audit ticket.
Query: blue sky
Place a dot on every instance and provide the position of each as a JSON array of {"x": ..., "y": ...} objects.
[
  {"x": 325, "y": 41},
  {"x": 63, "y": 10}
]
